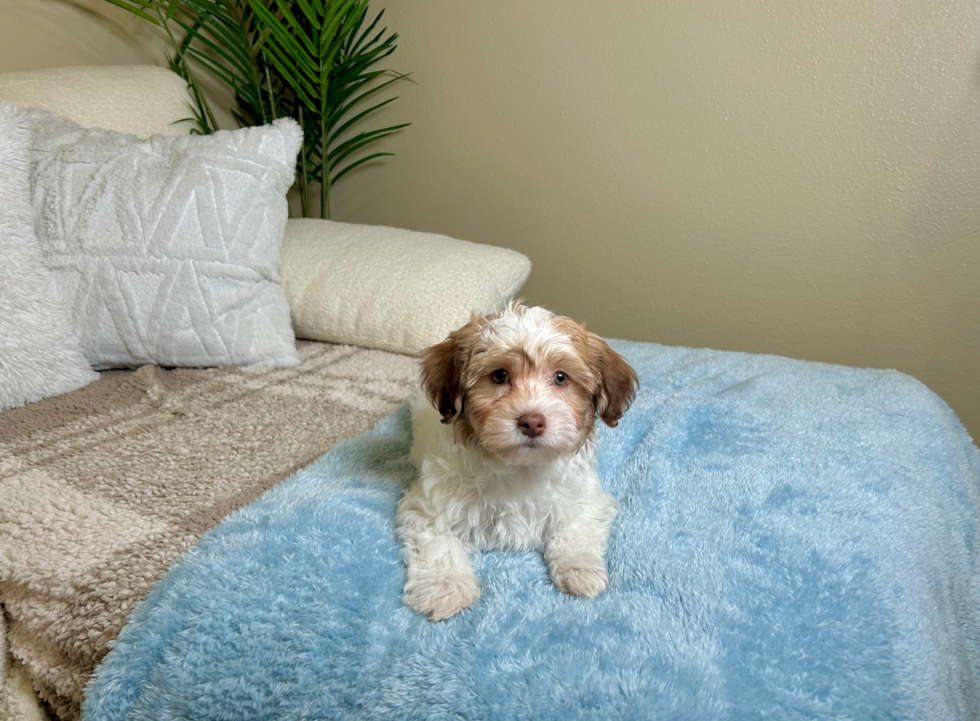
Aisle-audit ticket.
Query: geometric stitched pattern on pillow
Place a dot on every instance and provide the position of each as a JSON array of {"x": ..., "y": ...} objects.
[{"x": 166, "y": 250}]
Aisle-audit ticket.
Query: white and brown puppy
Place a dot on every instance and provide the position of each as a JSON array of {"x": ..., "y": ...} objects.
[{"x": 504, "y": 444}]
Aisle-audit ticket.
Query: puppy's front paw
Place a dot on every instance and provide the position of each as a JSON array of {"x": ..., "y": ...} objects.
[
  {"x": 442, "y": 596},
  {"x": 588, "y": 581}
]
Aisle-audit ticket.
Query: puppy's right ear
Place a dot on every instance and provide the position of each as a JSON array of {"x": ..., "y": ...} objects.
[{"x": 441, "y": 375}]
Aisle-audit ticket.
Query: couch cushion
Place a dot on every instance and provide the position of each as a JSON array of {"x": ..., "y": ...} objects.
[
  {"x": 142, "y": 100},
  {"x": 389, "y": 288}
]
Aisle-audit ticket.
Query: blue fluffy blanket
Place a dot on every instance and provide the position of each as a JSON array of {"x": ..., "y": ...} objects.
[{"x": 796, "y": 541}]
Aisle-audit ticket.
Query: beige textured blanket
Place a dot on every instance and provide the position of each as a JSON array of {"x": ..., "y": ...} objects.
[{"x": 102, "y": 489}]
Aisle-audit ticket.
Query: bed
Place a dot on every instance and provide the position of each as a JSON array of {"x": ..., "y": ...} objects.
[{"x": 796, "y": 541}]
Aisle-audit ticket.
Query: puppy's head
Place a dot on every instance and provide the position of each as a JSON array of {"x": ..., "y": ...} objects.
[{"x": 526, "y": 385}]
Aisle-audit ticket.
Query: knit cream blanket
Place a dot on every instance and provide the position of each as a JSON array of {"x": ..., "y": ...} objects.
[{"x": 102, "y": 489}]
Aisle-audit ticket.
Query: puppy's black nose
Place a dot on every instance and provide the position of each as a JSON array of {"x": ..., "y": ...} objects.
[{"x": 532, "y": 425}]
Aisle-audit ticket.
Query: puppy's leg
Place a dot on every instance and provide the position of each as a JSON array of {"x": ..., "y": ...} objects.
[
  {"x": 576, "y": 548},
  {"x": 440, "y": 581}
]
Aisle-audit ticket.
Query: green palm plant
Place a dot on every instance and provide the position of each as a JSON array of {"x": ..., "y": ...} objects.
[{"x": 314, "y": 60}]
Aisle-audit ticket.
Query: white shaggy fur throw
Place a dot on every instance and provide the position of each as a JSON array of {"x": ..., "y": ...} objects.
[{"x": 40, "y": 355}]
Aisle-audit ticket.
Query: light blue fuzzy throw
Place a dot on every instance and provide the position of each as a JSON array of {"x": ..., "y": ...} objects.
[{"x": 796, "y": 541}]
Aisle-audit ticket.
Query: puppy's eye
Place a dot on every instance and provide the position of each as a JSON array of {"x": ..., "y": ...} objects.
[
  {"x": 560, "y": 378},
  {"x": 499, "y": 376}
]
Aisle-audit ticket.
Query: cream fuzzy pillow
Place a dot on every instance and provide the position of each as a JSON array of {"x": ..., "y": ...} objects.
[{"x": 386, "y": 288}]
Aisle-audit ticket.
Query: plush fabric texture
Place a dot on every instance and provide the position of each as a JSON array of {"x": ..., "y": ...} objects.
[
  {"x": 388, "y": 288},
  {"x": 796, "y": 541},
  {"x": 104, "y": 488},
  {"x": 167, "y": 250},
  {"x": 18, "y": 701},
  {"x": 40, "y": 355},
  {"x": 141, "y": 100}
]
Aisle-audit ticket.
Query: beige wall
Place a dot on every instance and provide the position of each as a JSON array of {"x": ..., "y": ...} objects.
[
  {"x": 799, "y": 178},
  {"x": 52, "y": 33},
  {"x": 779, "y": 177}
]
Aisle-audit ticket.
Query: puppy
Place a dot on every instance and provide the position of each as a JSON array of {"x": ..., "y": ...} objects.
[{"x": 504, "y": 443}]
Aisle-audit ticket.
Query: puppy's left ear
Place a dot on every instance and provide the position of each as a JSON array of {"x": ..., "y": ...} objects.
[{"x": 617, "y": 381}]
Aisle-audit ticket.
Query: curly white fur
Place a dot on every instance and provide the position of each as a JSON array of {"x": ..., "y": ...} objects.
[{"x": 539, "y": 493}]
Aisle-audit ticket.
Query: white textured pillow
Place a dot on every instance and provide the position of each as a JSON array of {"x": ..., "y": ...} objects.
[
  {"x": 167, "y": 249},
  {"x": 39, "y": 354},
  {"x": 387, "y": 288},
  {"x": 139, "y": 99}
]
